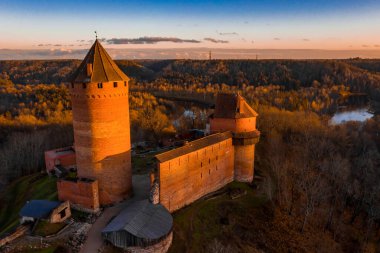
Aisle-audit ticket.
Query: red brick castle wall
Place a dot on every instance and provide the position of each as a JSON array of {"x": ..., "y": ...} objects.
[{"x": 102, "y": 137}]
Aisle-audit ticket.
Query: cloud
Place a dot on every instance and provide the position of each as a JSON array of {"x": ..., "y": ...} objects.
[
  {"x": 365, "y": 46},
  {"x": 150, "y": 40},
  {"x": 227, "y": 33},
  {"x": 216, "y": 41},
  {"x": 56, "y": 45},
  {"x": 276, "y": 38},
  {"x": 376, "y": 45},
  {"x": 306, "y": 40}
]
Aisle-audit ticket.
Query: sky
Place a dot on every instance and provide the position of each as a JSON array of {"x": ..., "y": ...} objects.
[{"x": 59, "y": 29}]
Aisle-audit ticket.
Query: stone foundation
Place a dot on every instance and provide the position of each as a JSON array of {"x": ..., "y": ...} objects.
[{"x": 161, "y": 247}]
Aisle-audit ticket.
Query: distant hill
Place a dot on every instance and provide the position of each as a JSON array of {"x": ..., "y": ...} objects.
[{"x": 361, "y": 75}]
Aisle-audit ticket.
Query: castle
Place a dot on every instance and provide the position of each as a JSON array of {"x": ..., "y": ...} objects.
[
  {"x": 205, "y": 165},
  {"x": 99, "y": 94}
]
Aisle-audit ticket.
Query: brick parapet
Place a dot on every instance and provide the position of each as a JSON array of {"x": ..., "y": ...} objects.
[{"x": 246, "y": 138}]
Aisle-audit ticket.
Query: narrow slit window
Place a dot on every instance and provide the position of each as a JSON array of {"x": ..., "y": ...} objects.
[
  {"x": 125, "y": 83},
  {"x": 114, "y": 84},
  {"x": 100, "y": 85},
  {"x": 72, "y": 85},
  {"x": 84, "y": 85}
]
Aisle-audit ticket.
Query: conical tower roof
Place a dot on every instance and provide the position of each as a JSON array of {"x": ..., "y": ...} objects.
[{"x": 98, "y": 67}]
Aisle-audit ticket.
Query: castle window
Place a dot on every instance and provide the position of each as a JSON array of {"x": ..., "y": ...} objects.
[
  {"x": 201, "y": 164},
  {"x": 114, "y": 84},
  {"x": 125, "y": 83},
  {"x": 72, "y": 85},
  {"x": 100, "y": 85},
  {"x": 84, "y": 85}
]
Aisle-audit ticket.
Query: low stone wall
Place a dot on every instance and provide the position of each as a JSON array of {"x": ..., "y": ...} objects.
[
  {"x": 161, "y": 247},
  {"x": 20, "y": 231},
  {"x": 56, "y": 216}
]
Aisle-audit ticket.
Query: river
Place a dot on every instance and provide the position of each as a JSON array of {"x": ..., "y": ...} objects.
[{"x": 358, "y": 114}]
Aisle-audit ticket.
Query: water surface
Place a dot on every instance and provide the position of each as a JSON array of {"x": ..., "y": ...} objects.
[{"x": 360, "y": 114}]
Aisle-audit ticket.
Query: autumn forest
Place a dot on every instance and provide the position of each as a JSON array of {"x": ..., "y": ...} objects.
[{"x": 322, "y": 178}]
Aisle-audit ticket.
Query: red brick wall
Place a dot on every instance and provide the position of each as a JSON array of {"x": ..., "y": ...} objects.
[
  {"x": 102, "y": 138},
  {"x": 79, "y": 192},
  {"x": 233, "y": 125},
  {"x": 244, "y": 160},
  {"x": 65, "y": 160},
  {"x": 186, "y": 178}
]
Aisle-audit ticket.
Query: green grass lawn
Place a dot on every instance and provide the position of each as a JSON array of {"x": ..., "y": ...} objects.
[
  {"x": 14, "y": 196},
  {"x": 197, "y": 225},
  {"x": 45, "y": 228}
]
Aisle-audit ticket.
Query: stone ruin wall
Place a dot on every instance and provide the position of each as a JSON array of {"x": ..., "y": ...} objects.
[
  {"x": 187, "y": 178},
  {"x": 55, "y": 216},
  {"x": 161, "y": 247}
]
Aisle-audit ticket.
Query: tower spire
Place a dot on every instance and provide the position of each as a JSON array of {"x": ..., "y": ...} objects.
[{"x": 96, "y": 35}]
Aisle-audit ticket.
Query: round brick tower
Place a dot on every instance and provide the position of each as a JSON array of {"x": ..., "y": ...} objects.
[
  {"x": 99, "y": 95},
  {"x": 232, "y": 113}
]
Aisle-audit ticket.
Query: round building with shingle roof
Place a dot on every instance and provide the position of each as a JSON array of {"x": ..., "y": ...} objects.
[{"x": 141, "y": 225}]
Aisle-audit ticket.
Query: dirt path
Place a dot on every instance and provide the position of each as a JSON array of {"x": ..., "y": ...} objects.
[{"x": 94, "y": 239}]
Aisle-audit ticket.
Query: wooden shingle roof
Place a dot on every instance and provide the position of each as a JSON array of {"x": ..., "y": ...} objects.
[
  {"x": 98, "y": 67},
  {"x": 232, "y": 106},
  {"x": 140, "y": 223}
]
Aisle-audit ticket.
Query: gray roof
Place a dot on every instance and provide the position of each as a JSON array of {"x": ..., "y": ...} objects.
[
  {"x": 142, "y": 219},
  {"x": 38, "y": 208},
  {"x": 193, "y": 146}
]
